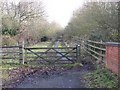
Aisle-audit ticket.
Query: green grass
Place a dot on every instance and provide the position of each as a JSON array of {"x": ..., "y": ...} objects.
[
  {"x": 73, "y": 65},
  {"x": 42, "y": 44},
  {"x": 7, "y": 66},
  {"x": 102, "y": 78},
  {"x": 60, "y": 45},
  {"x": 11, "y": 64}
]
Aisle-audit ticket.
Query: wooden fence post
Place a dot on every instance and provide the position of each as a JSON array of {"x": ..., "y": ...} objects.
[
  {"x": 23, "y": 52},
  {"x": 25, "y": 57},
  {"x": 78, "y": 53},
  {"x": 20, "y": 54},
  {"x": 101, "y": 50}
]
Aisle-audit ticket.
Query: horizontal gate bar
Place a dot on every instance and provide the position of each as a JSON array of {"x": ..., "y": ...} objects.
[
  {"x": 49, "y": 56},
  {"x": 51, "y": 48},
  {"x": 48, "y": 52},
  {"x": 47, "y": 60},
  {"x": 60, "y": 62}
]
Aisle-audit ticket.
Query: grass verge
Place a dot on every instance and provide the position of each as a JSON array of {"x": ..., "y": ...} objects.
[{"x": 101, "y": 78}]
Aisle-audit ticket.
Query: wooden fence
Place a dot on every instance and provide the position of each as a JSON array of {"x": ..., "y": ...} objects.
[
  {"x": 9, "y": 53},
  {"x": 95, "y": 49},
  {"x": 21, "y": 53}
]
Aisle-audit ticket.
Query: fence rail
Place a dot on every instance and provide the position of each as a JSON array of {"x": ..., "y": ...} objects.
[
  {"x": 22, "y": 53},
  {"x": 10, "y": 47},
  {"x": 103, "y": 43},
  {"x": 10, "y": 54},
  {"x": 95, "y": 49}
]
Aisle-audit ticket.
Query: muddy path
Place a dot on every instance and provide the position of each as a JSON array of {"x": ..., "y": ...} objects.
[
  {"x": 64, "y": 79},
  {"x": 55, "y": 78}
]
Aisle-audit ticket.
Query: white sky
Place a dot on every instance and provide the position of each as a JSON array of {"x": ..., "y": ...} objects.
[{"x": 59, "y": 11}]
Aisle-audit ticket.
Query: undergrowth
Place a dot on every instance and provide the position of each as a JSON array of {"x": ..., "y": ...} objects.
[{"x": 102, "y": 78}]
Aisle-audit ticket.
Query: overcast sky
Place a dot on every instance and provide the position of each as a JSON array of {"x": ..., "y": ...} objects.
[{"x": 61, "y": 10}]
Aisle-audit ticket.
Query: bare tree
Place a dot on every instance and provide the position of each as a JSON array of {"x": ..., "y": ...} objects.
[{"x": 19, "y": 15}]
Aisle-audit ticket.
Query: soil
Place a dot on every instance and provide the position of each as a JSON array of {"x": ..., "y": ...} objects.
[{"x": 52, "y": 77}]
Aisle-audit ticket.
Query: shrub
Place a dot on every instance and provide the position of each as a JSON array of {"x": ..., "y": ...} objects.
[
  {"x": 8, "y": 41},
  {"x": 44, "y": 39}
]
